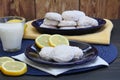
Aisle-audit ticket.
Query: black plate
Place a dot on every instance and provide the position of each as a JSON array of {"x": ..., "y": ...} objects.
[
  {"x": 90, "y": 53},
  {"x": 79, "y": 31}
]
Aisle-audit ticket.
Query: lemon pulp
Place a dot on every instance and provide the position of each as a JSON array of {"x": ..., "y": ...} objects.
[
  {"x": 57, "y": 39},
  {"x": 42, "y": 40},
  {"x": 4, "y": 59}
]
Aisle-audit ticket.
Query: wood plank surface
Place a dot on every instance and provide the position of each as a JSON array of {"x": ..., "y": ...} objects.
[
  {"x": 24, "y": 8},
  {"x": 4, "y": 7},
  {"x": 32, "y": 9},
  {"x": 112, "y": 9},
  {"x": 27, "y": 9},
  {"x": 43, "y": 6},
  {"x": 101, "y": 8}
]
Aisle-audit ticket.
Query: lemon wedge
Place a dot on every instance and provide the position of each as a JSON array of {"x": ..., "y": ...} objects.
[
  {"x": 57, "y": 39},
  {"x": 4, "y": 59},
  {"x": 14, "y": 68},
  {"x": 42, "y": 40}
]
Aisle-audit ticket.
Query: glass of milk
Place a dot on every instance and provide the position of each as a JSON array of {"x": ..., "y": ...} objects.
[{"x": 11, "y": 32}]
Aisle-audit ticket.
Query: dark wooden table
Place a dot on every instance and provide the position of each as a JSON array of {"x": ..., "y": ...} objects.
[{"x": 108, "y": 73}]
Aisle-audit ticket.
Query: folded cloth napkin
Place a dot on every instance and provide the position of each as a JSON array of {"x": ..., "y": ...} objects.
[
  {"x": 59, "y": 70},
  {"x": 102, "y": 36}
]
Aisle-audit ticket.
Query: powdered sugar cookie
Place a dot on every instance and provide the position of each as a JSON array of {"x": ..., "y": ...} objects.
[
  {"x": 67, "y": 23},
  {"x": 78, "y": 53},
  {"x": 87, "y": 21},
  {"x": 53, "y": 16},
  {"x": 62, "y": 53},
  {"x": 50, "y": 22},
  {"x": 45, "y": 53},
  {"x": 67, "y": 28},
  {"x": 46, "y": 26},
  {"x": 73, "y": 15}
]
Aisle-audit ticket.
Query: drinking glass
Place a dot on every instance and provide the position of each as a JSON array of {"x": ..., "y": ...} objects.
[{"x": 11, "y": 33}]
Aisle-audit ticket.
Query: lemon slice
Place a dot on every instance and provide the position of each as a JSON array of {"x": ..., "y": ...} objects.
[
  {"x": 4, "y": 59},
  {"x": 42, "y": 40},
  {"x": 14, "y": 68},
  {"x": 14, "y": 21},
  {"x": 57, "y": 39}
]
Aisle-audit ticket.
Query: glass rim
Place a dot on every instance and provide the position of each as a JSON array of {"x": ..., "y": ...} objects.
[{"x": 7, "y": 18}]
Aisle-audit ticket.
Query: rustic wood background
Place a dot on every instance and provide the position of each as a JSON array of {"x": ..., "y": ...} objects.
[{"x": 32, "y": 9}]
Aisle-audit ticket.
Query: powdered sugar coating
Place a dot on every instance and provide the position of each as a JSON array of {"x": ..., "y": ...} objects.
[
  {"x": 67, "y": 23},
  {"x": 46, "y": 26},
  {"x": 72, "y": 15},
  {"x": 87, "y": 21},
  {"x": 62, "y": 53},
  {"x": 53, "y": 16},
  {"x": 45, "y": 53},
  {"x": 50, "y": 22}
]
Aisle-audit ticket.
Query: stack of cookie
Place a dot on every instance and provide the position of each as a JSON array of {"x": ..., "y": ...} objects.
[
  {"x": 68, "y": 20},
  {"x": 51, "y": 20}
]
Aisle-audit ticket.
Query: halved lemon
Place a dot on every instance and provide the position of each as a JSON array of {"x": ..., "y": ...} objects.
[
  {"x": 4, "y": 59},
  {"x": 57, "y": 39},
  {"x": 14, "y": 68},
  {"x": 42, "y": 40},
  {"x": 14, "y": 21}
]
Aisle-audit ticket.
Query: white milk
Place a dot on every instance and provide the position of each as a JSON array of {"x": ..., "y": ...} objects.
[{"x": 11, "y": 35}]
